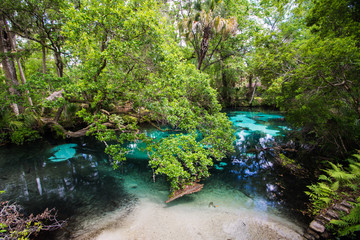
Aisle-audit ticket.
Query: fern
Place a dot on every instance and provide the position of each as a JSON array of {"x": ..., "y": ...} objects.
[
  {"x": 321, "y": 195},
  {"x": 324, "y": 178},
  {"x": 335, "y": 186},
  {"x": 339, "y": 174},
  {"x": 70, "y": 110},
  {"x": 354, "y": 216},
  {"x": 339, "y": 182},
  {"x": 350, "y": 223}
]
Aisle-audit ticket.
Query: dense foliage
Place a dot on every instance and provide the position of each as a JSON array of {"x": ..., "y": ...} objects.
[
  {"x": 104, "y": 68},
  {"x": 123, "y": 69},
  {"x": 337, "y": 184}
]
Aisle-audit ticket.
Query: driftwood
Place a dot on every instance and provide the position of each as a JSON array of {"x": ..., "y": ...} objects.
[{"x": 188, "y": 189}]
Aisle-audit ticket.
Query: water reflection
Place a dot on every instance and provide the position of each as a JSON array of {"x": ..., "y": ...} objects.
[
  {"x": 251, "y": 169},
  {"x": 83, "y": 183},
  {"x": 84, "y": 180}
]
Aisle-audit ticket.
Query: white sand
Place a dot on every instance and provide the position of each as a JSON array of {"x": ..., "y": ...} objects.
[
  {"x": 150, "y": 220},
  {"x": 235, "y": 217}
]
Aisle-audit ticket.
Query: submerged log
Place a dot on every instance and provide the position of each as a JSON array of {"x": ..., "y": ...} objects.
[{"x": 188, "y": 189}]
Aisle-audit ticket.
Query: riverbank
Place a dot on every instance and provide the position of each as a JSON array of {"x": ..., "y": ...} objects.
[{"x": 150, "y": 220}]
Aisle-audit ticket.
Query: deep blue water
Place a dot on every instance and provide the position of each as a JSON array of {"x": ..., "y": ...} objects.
[{"x": 76, "y": 177}]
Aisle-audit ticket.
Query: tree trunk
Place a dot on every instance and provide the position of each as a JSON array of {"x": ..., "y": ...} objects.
[
  {"x": 204, "y": 46},
  {"x": 43, "y": 57},
  {"x": 59, "y": 64},
  {"x": 253, "y": 93},
  {"x": 8, "y": 64},
  {"x": 225, "y": 86},
  {"x": 58, "y": 113},
  {"x": 21, "y": 72},
  {"x": 250, "y": 88}
]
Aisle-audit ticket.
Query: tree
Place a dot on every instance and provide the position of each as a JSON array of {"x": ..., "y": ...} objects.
[
  {"x": 205, "y": 28},
  {"x": 311, "y": 72},
  {"x": 123, "y": 55},
  {"x": 40, "y": 21},
  {"x": 8, "y": 64}
]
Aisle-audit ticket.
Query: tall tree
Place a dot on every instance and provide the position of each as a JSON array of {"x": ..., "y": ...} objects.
[
  {"x": 205, "y": 28},
  {"x": 40, "y": 21},
  {"x": 8, "y": 65}
]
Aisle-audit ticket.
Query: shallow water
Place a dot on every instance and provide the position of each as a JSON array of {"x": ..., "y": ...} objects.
[{"x": 77, "y": 179}]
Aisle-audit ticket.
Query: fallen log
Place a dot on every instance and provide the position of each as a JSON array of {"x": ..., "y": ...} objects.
[
  {"x": 70, "y": 134},
  {"x": 188, "y": 189}
]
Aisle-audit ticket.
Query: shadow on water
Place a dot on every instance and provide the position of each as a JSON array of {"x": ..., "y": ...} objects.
[
  {"x": 77, "y": 179},
  {"x": 82, "y": 186}
]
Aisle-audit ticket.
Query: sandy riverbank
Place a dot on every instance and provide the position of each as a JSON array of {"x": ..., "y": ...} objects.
[{"x": 150, "y": 220}]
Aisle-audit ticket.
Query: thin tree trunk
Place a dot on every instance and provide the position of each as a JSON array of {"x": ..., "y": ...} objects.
[
  {"x": 253, "y": 94},
  {"x": 250, "y": 88},
  {"x": 225, "y": 87},
  {"x": 43, "y": 58},
  {"x": 21, "y": 72},
  {"x": 58, "y": 113},
  {"x": 250, "y": 83},
  {"x": 59, "y": 64},
  {"x": 8, "y": 64}
]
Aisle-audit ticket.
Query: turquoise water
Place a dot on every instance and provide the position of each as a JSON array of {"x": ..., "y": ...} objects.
[
  {"x": 76, "y": 177},
  {"x": 63, "y": 152}
]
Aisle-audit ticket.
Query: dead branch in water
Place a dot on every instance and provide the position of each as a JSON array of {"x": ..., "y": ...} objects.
[
  {"x": 14, "y": 225},
  {"x": 188, "y": 189}
]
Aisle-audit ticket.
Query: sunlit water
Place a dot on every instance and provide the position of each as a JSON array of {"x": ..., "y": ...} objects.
[{"x": 77, "y": 179}]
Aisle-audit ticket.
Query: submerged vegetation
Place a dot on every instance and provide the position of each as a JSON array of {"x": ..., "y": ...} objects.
[{"x": 103, "y": 68}]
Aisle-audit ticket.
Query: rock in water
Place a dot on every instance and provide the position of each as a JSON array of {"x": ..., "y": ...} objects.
[{"x": 188, "y": 189}]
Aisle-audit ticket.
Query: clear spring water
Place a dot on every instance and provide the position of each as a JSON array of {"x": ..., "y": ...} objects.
[{"x": 77, "y": 179}]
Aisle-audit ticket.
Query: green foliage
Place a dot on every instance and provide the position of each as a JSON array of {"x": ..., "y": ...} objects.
[
  {"x": 182, "y": 159},
  {"x": 21, "y": 135},
  {"x": 18, "y": 129},
  {"x": 350, "y": 224},
  {"x": 59, "y": 131},
  {"x": 308, "y": 64},
  {"x": 337, "y": 183}
]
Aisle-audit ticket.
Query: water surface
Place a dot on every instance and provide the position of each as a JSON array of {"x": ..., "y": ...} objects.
[{"x": 76, "y": 178}]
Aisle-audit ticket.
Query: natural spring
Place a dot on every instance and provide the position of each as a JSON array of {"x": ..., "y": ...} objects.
[{"x": 246, "y": 197}]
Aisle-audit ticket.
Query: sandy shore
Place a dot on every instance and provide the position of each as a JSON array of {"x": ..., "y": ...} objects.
[{"x": 150, "y": 220}]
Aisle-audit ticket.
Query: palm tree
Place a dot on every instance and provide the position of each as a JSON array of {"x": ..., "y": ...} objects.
[{"x": 204, "y": 27}]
